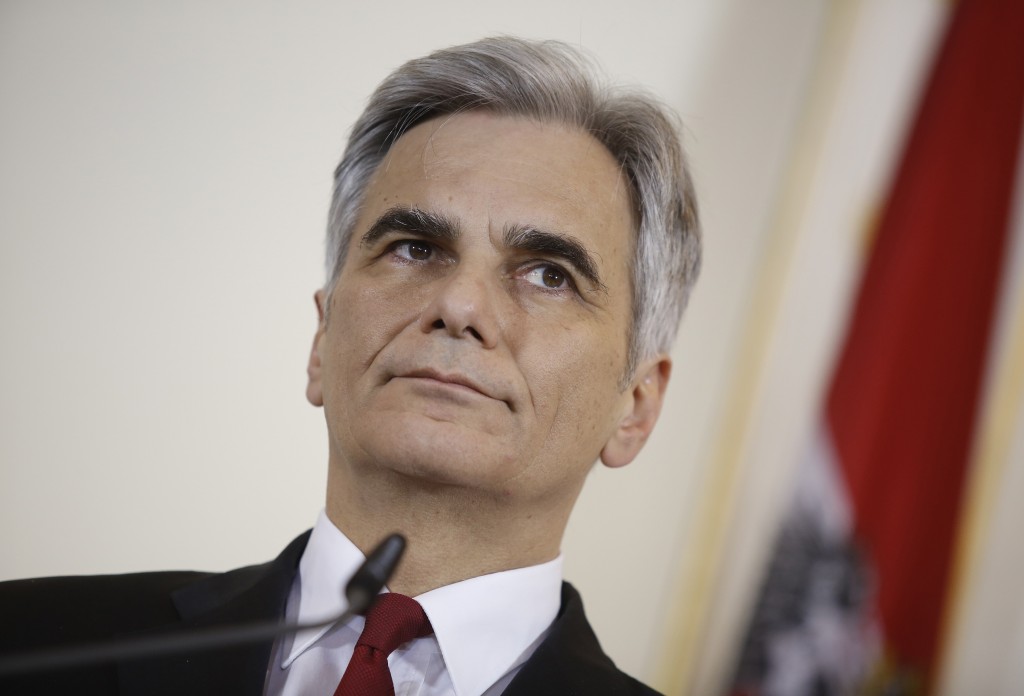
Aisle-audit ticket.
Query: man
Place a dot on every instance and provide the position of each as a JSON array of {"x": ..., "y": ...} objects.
[{"x": 510, "y": 250}]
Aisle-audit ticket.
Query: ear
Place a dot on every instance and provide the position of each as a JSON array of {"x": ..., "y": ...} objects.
[
  {"x": 314, "y": 390},
  {"x": 642, "y": 407}
]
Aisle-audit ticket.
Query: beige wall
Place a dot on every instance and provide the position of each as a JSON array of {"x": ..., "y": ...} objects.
[{"x": 163, "y": 186}]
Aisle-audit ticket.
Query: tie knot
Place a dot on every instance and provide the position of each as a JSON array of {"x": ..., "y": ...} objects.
[{"x": 393, "y": 620}]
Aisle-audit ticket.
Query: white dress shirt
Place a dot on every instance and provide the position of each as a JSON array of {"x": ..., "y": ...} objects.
[{"x": 485, "y": 628}]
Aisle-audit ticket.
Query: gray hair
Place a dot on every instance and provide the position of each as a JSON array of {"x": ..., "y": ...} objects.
[{"x": 547, "y": 81}]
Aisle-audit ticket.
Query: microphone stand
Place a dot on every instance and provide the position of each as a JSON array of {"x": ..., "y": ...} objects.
[{"x": 361, "y": 591}]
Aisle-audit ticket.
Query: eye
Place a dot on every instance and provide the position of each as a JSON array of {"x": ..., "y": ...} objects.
[
  {"x": 413, "y": 250},
  {"x": 548, "y": 277}
]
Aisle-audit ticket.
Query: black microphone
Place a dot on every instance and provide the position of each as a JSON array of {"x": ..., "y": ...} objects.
[
  {"x": 361, "y": 590},
  {"x": 366, "y": 583}
]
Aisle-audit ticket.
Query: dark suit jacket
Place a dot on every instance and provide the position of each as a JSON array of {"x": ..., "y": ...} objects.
[{"x": 71, "y": 610}]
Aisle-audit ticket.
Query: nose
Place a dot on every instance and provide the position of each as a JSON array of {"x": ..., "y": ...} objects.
[{"x": 463, "y": 306}]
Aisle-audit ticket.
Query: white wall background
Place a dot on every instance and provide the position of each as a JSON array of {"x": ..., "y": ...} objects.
[{"x": 164, "y": 176}]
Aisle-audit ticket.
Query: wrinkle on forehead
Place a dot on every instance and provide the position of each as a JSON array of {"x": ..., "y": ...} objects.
[{"x": 437, "y": 158}]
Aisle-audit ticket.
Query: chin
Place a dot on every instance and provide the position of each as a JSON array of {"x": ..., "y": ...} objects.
[{"x": 442, "y": 453}]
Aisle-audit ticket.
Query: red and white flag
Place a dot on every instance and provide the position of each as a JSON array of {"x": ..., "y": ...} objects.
[{"x": 856, "y": 590}]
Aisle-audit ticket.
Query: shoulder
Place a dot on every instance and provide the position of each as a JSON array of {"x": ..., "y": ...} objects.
[
  {"x": 41, "y": 614},
  {"x": 56, "y": 610},
  {"x": 570, "y": 660},
  {"x": 49, "y": 611}
]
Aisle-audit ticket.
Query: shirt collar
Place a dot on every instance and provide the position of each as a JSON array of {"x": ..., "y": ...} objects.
[
  {"x": 490, "y": 624},
  {"x": 328, "y": 562},
  {"x": 485, "y": 626}
]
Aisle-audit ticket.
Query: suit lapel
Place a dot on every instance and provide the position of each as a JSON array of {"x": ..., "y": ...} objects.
[
  {"x": 256, "y": 593},
  {"x": 570, "y": 661}
]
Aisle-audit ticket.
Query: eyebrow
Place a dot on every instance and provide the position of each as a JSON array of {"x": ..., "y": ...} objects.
[
  {"x": 420, "y": 222},
  {"x": 556, "y": 244}
]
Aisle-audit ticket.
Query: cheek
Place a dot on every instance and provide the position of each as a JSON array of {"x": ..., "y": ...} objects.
[
  {"x": 574, "y": 377},
  {"x": 365, "y": 319}
]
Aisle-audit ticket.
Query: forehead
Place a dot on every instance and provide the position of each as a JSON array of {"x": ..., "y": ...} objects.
[{"x": 492, "y": 171}]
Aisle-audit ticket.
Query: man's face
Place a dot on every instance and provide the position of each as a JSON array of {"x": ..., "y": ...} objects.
[{"x": 477, "y": 333}]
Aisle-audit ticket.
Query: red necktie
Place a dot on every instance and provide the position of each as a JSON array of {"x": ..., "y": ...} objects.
[{"x": 393, "y": 620}]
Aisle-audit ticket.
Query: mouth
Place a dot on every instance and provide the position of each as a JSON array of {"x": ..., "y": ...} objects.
[
  {"x": 449, "y": 380},
  {"x": 456, "y": 380}
]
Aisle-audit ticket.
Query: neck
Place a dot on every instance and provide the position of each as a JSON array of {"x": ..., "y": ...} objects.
[{"x": 453, "y": 533}]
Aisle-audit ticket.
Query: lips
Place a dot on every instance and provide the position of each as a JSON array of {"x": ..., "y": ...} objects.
[
  {"x": 448, "y": 378},
  {"x": 488, "y": 388}
]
